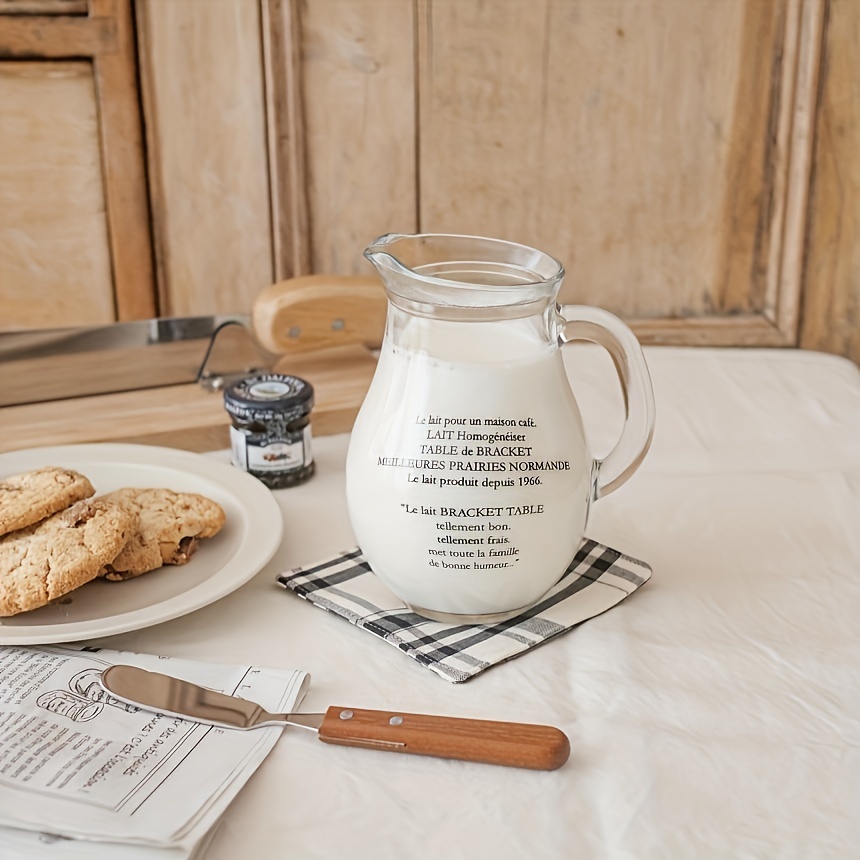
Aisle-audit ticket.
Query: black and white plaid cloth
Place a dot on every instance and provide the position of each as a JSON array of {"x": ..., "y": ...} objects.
[{"x": 597, "y": 579}]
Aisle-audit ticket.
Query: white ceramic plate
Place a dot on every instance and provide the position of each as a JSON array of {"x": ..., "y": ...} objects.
[{"x": 249, "y": 539}]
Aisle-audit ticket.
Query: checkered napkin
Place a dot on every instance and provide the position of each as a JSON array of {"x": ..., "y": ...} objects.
[{"x": 596, "y": 579}]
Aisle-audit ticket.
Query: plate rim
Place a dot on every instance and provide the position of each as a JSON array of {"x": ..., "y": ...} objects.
[{"x": 265, "y": 536}]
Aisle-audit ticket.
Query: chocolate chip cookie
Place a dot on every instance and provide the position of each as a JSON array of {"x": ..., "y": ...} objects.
[
  {"x": 30, "y": 497},
  {"x": 170, "y": 526},
  {"x": 59, "y": 554}
]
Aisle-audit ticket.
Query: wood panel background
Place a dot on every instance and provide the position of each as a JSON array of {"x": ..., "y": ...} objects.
[
  {"x": 74, "y": 231},
  {"x": 358, "y": 59},
  {"x": 647, "y": 151},
  {"x": 56, "y": 262},
  {"x": 693, "y": 164},
  {"x": 201, "y": 67},
  {"x": 831, "y": 314},
  {"x": 664, "y": 158}
]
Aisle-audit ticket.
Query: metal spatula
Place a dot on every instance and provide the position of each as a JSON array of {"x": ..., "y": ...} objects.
[{"x": 512, "y": 744}]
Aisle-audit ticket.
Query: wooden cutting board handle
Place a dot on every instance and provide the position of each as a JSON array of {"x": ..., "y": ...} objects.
[{"x": 320, "y": 311}]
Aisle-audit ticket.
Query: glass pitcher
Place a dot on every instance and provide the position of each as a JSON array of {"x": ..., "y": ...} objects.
[{"x": 468, "y": 475}]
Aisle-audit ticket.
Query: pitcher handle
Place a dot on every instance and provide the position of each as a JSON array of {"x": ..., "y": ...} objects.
[{"x": 582, "y": 322}]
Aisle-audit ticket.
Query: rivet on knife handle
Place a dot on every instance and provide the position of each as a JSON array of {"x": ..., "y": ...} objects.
[{"x": 489, "y": 742}]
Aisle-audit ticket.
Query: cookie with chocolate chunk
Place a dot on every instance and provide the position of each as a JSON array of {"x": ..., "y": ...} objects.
[
  {"x": 30, "y": 497},
  {"x": 61, "y": 553},
  {"x": 170, "y": 526}
]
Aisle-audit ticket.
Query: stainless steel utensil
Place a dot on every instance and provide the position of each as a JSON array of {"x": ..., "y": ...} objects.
[{"x": 513, "y": 744}]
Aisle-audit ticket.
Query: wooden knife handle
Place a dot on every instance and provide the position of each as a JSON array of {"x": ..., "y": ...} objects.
[
  {"x": 485, "y": 741},
  {"x": 320, "y": 311}
]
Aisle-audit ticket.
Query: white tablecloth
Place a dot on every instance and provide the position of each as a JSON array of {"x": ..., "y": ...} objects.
[{"x": 714, "y": 714}]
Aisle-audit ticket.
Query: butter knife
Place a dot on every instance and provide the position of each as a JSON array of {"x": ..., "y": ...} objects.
[{"x": 489, "y": 742}]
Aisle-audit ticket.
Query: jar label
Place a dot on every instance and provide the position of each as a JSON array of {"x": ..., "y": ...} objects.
[{"x": 281, "y": 456}]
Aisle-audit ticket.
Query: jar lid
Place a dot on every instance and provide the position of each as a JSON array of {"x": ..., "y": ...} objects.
[{"x": 269, "y": 392}]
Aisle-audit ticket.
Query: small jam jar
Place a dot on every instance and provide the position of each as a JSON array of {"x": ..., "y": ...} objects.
[{"x": 271, "y": 432}]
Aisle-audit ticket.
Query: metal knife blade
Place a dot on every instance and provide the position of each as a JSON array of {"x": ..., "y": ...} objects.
[
  {"x": 55, "y": 364},
  {"x": 524, "y": 745},
  {"x": 169, "y": 695}
]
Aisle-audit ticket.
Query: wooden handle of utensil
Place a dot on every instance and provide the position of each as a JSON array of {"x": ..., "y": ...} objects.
[
  {"x": 485, "y": 741},
  {"x": 320, "y": 311}
]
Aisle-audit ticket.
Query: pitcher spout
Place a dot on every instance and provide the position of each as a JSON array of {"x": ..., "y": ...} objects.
[
  {"x": 380, "y": 244},
  {"x": 379, "y": 253}
]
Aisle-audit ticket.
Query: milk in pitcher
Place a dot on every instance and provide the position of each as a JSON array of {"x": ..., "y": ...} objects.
[{"x": 468, "y": 476}]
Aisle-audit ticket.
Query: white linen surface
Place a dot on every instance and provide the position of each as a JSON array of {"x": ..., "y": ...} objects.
[{"x": 714, "y": 714}]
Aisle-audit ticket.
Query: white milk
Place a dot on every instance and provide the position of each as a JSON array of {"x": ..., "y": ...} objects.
[{"x": 455, "y": 514}]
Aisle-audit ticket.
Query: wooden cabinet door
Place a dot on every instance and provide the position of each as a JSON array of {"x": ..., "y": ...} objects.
[
  {"x": 75, "y": 245},
  {"x": 661, "y": 149}
]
